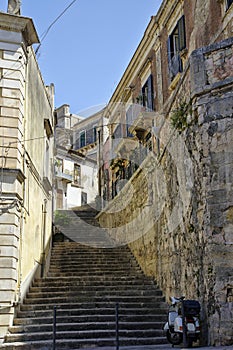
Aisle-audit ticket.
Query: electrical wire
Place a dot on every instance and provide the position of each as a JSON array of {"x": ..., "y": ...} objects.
[
  {"x": 51, "y": 25},
  {"x": 44, "y": 34}
]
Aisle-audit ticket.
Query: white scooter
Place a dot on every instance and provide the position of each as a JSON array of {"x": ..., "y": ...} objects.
[{"x": 183, "y": 322}]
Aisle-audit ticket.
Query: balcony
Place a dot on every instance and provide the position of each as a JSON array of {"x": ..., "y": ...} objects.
[
  {"x": 143, "y": 124},
  {"x": 65, "y": 175}
]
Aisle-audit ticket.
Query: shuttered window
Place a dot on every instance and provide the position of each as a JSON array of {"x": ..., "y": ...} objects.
[
  {"x": 175, "y": 44},
  {"x": 148, "y": 94},
  {"x": 82, "y": 138}
]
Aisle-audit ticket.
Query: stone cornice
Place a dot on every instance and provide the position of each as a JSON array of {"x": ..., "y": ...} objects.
[
  {"x": 14, "y": 172},
  {"x": 19, "y": 24}
]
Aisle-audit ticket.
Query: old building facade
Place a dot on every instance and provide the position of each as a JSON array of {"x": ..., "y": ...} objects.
[
  {"x": 170, "y": 146},
  {"x": 26, "y": 143},
  {"x": 76, "y": 181}
]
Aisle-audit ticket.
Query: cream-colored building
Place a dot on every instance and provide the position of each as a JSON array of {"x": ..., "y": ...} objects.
[{"x": 26, "y": 156}]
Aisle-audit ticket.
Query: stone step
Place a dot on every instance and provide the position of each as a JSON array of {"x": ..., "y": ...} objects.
[
  {"x": 66, "y": 311},
  {"x": 100, "y": 306},
  {"x": 94, "y": 270},
  {"x": 85, "y": 284},
  {"x": 109, "y": 280},
  {"x": 70, "y": 292},
  {"x": 87, "y": 326},
  {"x": 82, "y": 249},
  {"x": 82, "y": 334},
  {"x": 97, "y": 288},
  {"x": 93, "y": 274},
  {"x": 93, "y": 277},
  {"x": 47, "y": 318},
  {"x": 129, "y": 299},
  {"x": 83, "y": 343}
]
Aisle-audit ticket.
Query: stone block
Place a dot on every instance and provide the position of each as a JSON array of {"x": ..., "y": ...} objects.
[
  {"x": 7, "y": 296},
  {"x": 11, "y": 132},
  {"x": 9, "y": 102},
  {"x": 14, "y": 56},
  {"x": 7, "y": 273},
  {"x": 8, "y": 251},
  {"x": 12, "y": 84},
  {"x": 8, "y": 240},
  {"x": 9, "y": 230},
  {"x": 8, "y": 262},
  {"x": 8, "y": 284},
  {"x": 5, "y": 92},
  {"x": 14, "y": 66},
  {"x": 11, "y": 112},
  {"x": 18, "y": 75}
]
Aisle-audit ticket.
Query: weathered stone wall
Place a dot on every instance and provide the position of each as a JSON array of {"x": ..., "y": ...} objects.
[{"x": 176, "y": 212}]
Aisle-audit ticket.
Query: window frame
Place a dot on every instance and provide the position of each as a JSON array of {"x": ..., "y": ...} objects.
[
  {"x": 148, "y": 93},
  {"x": 176, "y": 43},
  {"x": 83, "y": 132},
  {"x": 77, "y": 174},
  {"x": 94, "y": 133}
]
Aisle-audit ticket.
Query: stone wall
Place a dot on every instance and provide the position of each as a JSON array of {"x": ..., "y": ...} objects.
[{"x": 176, "y": 212}]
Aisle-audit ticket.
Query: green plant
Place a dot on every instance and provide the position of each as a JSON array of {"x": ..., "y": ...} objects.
[{"x": 179, "y": 116}]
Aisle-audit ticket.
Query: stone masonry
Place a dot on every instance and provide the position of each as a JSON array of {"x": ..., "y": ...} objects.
[{"x": 176, "y": 212}]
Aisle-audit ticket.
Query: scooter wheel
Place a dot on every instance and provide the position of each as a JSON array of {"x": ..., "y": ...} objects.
[{"x": 174, "y": 338}]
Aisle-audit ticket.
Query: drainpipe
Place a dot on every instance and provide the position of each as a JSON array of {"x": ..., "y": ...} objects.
[{"x": 44, "y": 217}]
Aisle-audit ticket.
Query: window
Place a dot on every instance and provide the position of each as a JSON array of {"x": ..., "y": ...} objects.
[
  {"x": 229, "y": 3},
  {"x": 176, "y": 43},
  {"x": 77, "y": 174},
  {"x": 82, "y": 139},
  {"x": 129, "y": 120},
  {"x": 147, "y": 94},
  {"x": 83, "y": 198},
  {"x": 94, "y": 133}
]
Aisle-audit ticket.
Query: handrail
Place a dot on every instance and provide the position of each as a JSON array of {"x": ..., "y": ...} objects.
[
  {"x": 54, "y": 326},
  {"x": 117, "y": 325}
]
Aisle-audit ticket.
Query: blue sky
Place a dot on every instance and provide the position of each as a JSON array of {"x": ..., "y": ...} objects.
[{"x": 86, "y": 52}]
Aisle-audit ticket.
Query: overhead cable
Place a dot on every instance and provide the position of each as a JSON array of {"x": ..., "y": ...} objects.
[{"x": 52, "y": 24}]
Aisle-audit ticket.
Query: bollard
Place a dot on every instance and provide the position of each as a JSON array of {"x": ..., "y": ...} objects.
[{"x": 54, "y": 326}]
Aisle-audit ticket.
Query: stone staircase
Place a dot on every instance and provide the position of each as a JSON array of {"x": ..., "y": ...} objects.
[
  {"x": 84, "y": 283},
  {"x": 80, "y": 225}
]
